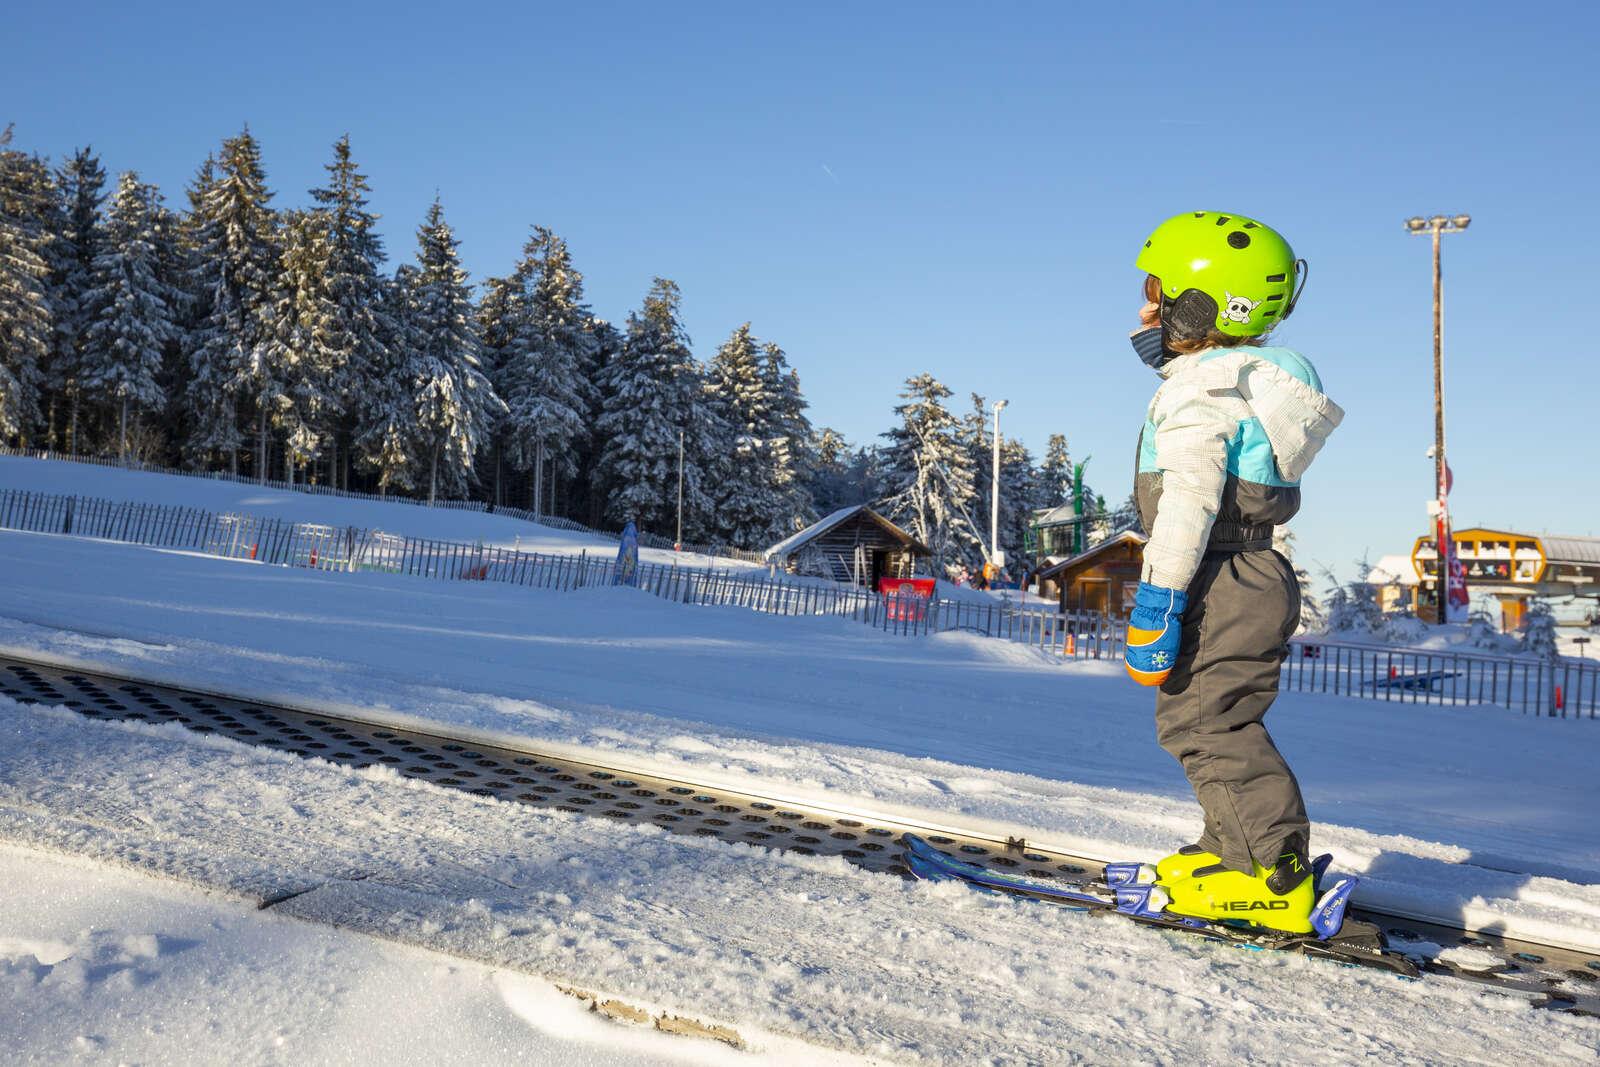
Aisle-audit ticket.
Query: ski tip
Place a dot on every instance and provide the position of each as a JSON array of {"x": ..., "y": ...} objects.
[{"x": 1328, "y": 916}]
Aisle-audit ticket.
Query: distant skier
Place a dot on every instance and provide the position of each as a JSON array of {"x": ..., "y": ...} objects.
[{"x": 1226, "y": 439}]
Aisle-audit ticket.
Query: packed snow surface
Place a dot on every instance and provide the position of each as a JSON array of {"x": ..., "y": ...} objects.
[
  {"x": 767, "y": 942},
  {"x": 103, "y": 965}
]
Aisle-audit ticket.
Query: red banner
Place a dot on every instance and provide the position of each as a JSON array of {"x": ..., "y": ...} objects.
[{"x": 1450, "y": 576}]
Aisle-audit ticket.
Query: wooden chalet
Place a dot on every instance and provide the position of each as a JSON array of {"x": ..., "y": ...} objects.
[
  {"x": 854, "y": 545},
  {"x": 1104, "y": 578}
]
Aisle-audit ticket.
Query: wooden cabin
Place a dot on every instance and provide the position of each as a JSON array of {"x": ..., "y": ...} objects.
[
  {"x": 1104, "y": 578},
  {"x": 854, "y": 545}
]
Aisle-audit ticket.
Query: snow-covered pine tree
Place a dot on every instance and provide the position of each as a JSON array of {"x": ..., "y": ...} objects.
[
  {"x": 790, "y": 443},
  {"x": 80, "y": 184},
  {"x": 385, "y": 437},
  {"x": 192, "y": 305},
  {"x": 748, "y": 503},
  {"x": 1055, "y": 473},
  {"x": 306, "y": 364},
  {"x": 236, "y": 267},
  {"x": 975, "y": 436},
  {"x": 828, "y": 479},
  {"x": 26, "y": 329},
  {"x": 651, "y": 394},
  {"x": 1018, "y": 490},
  {"x": 454, "y": 401},
  {"x": 349, "y": 334},
  {"x": 929, "y": 475},
  {"x": 841, "y": 476},
  {"x": 498, "y": 312},
  {"x": 588, "y": 490},
  {"x": 542, "y": 370},
  {"x": 129, "y": 309}
]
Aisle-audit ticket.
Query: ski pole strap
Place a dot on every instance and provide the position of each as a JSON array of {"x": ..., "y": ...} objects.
[{"x": 1239, "y": 537}]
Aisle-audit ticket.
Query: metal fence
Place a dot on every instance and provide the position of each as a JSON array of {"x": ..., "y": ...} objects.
[
  {"x": 647, "y": 539},
  {"x": 341, "y": 548},
  {"x": 1550, "y": 687}
]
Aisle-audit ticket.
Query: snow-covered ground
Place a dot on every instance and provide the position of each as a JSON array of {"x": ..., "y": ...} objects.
[
  {"x": 102, "y": 964},
  {"x": 445, "y": 524},
  {"x": 1471, "y": 814},
  {"x": 762, "y": 942}
]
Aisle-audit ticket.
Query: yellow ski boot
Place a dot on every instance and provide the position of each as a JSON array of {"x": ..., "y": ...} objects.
[
  {"x": 1178, "y": 865},
  {"x": 1279, "y": 897},
  {"x": 1184, "y": 862}
]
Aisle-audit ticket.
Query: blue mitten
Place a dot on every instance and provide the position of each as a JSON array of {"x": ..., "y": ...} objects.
[{"x": 1154, "y": 630}]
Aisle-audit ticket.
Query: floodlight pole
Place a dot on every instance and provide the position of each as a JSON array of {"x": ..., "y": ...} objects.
[
  {"x": 1444, "y": 551},
  {"x": 994, "y": 491}
]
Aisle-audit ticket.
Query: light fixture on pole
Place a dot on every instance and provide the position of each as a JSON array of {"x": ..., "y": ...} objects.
[
  {"x": 677, "y": 544},
  {"x": 1447, "y": 580},
  {"x": 995, "y": 555}
]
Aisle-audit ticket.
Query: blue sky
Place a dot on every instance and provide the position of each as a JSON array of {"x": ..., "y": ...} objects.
[{"x": 887, "y": 189}]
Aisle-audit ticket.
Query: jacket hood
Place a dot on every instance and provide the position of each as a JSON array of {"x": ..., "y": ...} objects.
[{"x": 1283, "y": 391}]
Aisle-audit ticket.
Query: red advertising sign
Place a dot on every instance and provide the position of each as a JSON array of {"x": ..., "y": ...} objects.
[{"x": 907, "y": 598}]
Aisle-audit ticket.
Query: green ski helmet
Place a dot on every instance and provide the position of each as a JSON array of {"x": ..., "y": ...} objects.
[{"x": 1222, "y": 271}]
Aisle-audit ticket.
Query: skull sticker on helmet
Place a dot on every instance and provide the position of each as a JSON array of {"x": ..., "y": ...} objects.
[{"x": 1238, "y": 308}]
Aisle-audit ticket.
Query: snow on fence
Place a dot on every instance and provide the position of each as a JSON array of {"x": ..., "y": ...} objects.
[
  {"x": 648, "y": 540},
  {"x": 1549, "y": 687}
]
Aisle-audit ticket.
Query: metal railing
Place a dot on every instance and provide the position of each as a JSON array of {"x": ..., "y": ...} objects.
[
  {"x": 349, "y": 549},
  {"x": 649, "y": 540},
  {"x": 1551, "y": 687}
]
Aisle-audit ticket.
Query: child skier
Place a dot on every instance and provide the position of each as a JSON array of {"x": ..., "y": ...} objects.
[{"x": 1226, "y": 439}]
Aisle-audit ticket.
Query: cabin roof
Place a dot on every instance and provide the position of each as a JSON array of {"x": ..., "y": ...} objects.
[
  {"x": 1121, "y": 538},
  {"x": 794, "y": 542}
]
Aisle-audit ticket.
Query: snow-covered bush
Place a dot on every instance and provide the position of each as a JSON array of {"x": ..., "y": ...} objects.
[
  {"x": 1483, "y": 633},
  {"x": 1539, "y": 629},
  {"x": 1352, "y": 607},
  {"x": 1403, "y": 628}
]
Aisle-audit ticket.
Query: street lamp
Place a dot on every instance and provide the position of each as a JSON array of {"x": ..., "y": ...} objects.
[
  {"x": 1437, "y": 226},
  {"x": 995, "y": 554}
]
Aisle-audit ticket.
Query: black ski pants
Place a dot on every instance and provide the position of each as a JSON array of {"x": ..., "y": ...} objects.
[{"x": 1243, "y": 608}]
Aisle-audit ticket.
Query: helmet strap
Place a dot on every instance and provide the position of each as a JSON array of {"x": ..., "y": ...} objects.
[{"x": 1302, "y": 271}]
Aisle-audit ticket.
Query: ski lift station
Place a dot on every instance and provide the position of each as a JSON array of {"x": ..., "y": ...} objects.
[
  {"x": 854, "y": 544},
  {"x": 1514, "y": 568}
]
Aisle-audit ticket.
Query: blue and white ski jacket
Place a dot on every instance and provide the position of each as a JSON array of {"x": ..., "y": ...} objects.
[{"x": 1226, "y": 440}]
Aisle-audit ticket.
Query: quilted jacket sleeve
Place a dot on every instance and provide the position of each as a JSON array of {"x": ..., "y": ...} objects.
[{"x": 1193, "y": 425}]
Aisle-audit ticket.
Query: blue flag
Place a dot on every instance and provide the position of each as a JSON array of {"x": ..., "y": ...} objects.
[{"x": 627, "y": 571}]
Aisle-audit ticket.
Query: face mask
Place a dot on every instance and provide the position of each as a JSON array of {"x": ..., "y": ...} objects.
[{"x": 1147, "y": 343}]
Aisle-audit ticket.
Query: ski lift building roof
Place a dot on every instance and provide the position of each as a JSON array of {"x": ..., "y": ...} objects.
[{"x": 831, "y": 545}]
